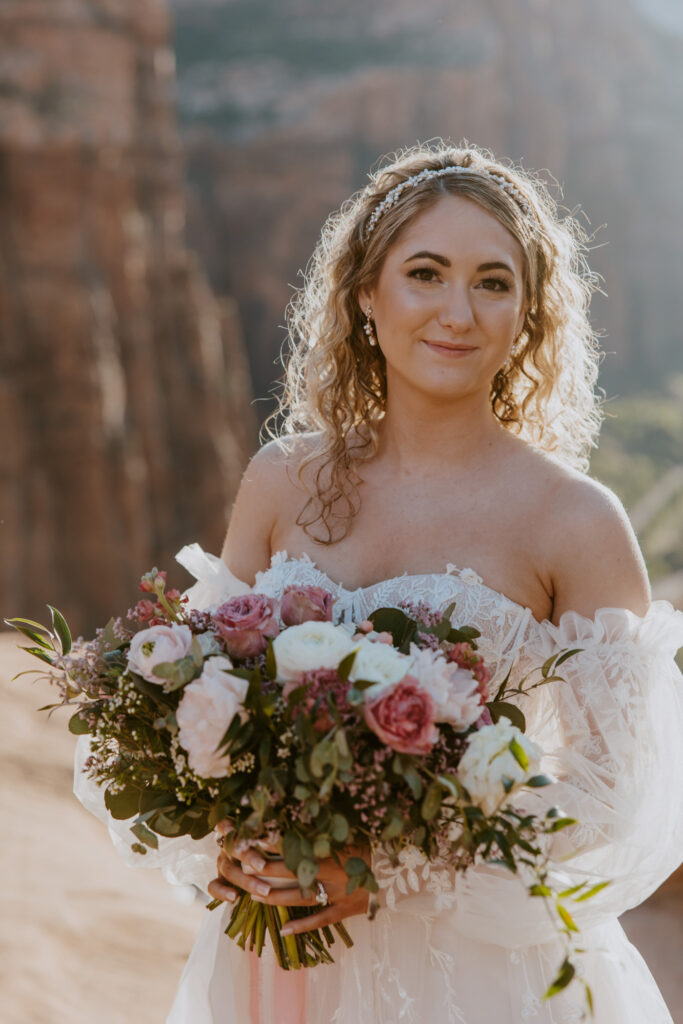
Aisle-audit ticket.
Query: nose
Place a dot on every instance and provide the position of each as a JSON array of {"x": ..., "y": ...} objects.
[{"x": 456, "y": 309}]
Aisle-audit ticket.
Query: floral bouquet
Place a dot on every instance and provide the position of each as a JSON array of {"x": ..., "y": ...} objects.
[{"x": 321, "y": 738}]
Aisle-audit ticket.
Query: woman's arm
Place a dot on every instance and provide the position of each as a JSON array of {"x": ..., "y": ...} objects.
[
  {"x": 247, "y": 546},
  {"x": 595, "y": 561}
]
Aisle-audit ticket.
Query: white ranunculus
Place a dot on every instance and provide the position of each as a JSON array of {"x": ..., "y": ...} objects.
[
  {"x": 310, "y": 646},
  {"x": 150, "y": 647},
  {"x": 488, "y": 759},
  {"x": 454, "y": 690},
  {"x": 380, "y": 664},
  {"x": 204, "y": 714}
]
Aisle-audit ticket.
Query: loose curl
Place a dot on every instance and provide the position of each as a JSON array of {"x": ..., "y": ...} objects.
[{"x": 335, "y": 383}]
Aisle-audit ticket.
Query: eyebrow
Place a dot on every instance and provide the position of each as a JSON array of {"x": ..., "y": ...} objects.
[{"x": 445, "y": 262}]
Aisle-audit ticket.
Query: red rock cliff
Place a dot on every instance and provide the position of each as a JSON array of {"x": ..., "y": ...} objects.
[{"x": 124, "y": 397}]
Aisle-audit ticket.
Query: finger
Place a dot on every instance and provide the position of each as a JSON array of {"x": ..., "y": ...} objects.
[
  {"x": 224, "y": 827},
  {"x": 254, "y": 863},
  {"x": 329, "y": 915},
  {"x": 230, "y": 872},
  {"x": 220, "y": 891}
]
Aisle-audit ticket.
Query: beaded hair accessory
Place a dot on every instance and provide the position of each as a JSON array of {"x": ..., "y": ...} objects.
[{"x": 392, "y": 197}]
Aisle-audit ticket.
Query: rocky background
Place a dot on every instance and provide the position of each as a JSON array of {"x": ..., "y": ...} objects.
[{"x": 124, "y": 393}]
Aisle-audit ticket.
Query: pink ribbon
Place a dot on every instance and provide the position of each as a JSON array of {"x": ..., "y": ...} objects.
[{"x": 275, "y": 996}]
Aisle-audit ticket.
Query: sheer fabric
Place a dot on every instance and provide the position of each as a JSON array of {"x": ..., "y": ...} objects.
[{"x": 474, "y": 949}]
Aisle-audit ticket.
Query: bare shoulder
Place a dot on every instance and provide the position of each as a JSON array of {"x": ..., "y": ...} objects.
[
  {"x": 592, "y": 552},
  {"x": 270, "y": 488}
]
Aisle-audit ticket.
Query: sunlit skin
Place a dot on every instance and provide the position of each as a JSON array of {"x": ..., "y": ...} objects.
[
  {"x": 448, "y": 305},
  {"x": 448, "y": 483}
]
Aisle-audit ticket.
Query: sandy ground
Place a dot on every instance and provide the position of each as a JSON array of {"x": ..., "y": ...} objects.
[{"x": 84, "y": 939}]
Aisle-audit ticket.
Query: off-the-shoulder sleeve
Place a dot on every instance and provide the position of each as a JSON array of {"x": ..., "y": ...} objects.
[
  {"x": 613, "y": 736},
  {"x": 184, "y": 861}
]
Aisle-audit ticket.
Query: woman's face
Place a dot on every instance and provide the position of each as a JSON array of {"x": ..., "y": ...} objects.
[{"x": 449, "y": 300}]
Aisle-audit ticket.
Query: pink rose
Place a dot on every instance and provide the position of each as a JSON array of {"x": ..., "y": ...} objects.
[
  {"x": 403, "y": 718},
  {"x": 306, "y": 604},
  {"x": 245, "y": 624}
]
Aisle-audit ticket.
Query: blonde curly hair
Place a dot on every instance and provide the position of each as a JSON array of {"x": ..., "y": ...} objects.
[{"x": 335, "y": 383}]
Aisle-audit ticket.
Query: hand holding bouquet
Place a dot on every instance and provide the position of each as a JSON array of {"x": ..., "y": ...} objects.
[{"x": 323, "y": 742}]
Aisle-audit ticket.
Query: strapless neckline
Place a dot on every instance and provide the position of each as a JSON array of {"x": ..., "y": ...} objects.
[{"x": 467, "y": 575}]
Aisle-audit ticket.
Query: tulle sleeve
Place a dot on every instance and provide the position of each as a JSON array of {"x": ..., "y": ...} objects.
[
  {"x": 613, "y": 736},
  {"x": 184, "y": 861}
]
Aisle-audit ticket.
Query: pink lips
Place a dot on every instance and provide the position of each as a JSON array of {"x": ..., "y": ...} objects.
[{"x": 450, "y": 347}]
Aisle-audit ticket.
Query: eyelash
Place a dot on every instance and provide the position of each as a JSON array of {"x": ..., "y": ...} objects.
[{"x": 503, "y": 284}]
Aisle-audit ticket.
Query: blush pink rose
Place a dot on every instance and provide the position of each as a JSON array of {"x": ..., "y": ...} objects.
[
  {"x": 246, "y": 623},
  {"x": 306, "y": 604},
  {"x": 403, "y": 718}
]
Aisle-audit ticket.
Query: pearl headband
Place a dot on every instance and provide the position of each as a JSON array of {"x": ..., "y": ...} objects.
[{"x": 392, "y": 197}]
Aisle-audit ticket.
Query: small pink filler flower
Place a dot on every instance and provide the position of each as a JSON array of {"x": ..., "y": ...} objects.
[
  {"x": 306, "y": 604},
  {"x": 403, "y": 718},
  {"x": 246, "y": 623}
]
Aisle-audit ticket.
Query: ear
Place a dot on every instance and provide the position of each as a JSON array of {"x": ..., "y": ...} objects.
[{"x": 364, "y": 299}]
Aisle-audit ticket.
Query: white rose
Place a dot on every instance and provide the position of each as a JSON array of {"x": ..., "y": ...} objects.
[
  {"x": 310, "y": 646},
  {"x": 204, "y": 714},
  {"x": 151, "y": 647},
  {"x": 453, "y": 689},
  {"x": 379, "y": 664},
  {"x": 488, "y": 759}
]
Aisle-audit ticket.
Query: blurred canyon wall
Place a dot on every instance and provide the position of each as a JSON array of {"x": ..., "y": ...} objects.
[
  {"x": 125, "y": 411},
  {"x": 285, "y": 104}
]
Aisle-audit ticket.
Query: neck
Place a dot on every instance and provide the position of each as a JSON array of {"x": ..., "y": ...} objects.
[{"x": 417, "y": 433}]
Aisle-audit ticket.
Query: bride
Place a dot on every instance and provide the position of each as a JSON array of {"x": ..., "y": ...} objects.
[{"x": 439, "y": 410}]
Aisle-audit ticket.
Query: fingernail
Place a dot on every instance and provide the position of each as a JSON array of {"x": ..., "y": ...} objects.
[
  {"x": 258, "y": 863},
  {"x": 230, "y": 894},
  {"x": 247, "y": 868},
  {"x": 262, "y": 890},
  {"x": 286, "y": 930}
]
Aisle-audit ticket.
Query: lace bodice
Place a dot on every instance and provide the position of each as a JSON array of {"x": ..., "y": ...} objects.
[{"x": 505, "y": 625}]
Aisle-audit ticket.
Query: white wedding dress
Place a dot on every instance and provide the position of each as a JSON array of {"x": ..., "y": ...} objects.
[{"x": 475, "y": 949}]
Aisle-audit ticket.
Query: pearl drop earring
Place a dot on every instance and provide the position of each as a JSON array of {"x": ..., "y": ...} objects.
[{"x": 368, "y": 328}]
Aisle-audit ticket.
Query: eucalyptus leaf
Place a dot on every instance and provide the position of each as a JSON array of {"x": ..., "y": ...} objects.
[
  {"x": 306, "y": 872},
  {"x": 321, "y": 847},
  {"x": 77, "y": 726},
  {"x": 339, "y": 828},
  {"x": 537, "y": 781},
  {"x": 122, "y": 805},
  {"x": 145, "y": 835},
  {"x": 355, "y": 866}
]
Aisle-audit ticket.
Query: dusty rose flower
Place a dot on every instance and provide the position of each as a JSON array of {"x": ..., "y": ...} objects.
[
  {"x": 403, "y": 718},
  {"x": 150, "y": 647},
  {"x": 145, "y": 610},
  {"x": 245, "y": 624},
  {"x": 306, "y": 604}
]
